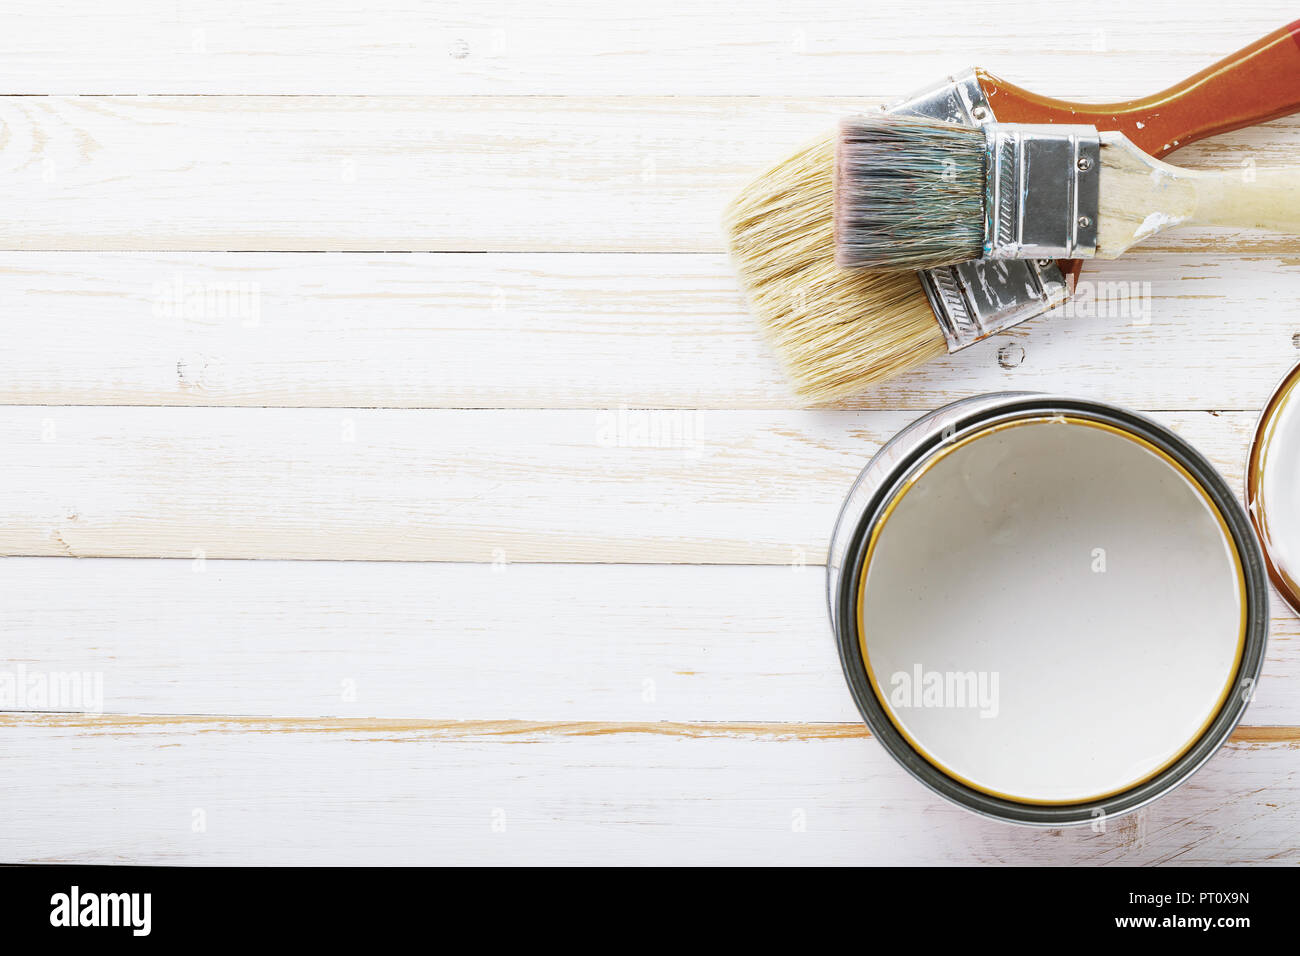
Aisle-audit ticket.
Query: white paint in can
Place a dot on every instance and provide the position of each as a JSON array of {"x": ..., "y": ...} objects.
[{"x": 1070, "y": 602}]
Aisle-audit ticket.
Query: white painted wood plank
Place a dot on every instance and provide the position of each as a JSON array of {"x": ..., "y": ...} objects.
[
  {"x": 449, "y": 641},
  {"x": 538, "y": 642},
  {"x": 1119, "y": 50},
  {"x": 1153, "y": 330},
  {"x": 614, "y": 485},
  {"x": 185, "y": 790},
  {"x": 469, "y": 174}
]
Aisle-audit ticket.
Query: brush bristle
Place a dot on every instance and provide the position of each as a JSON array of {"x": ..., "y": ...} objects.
[
  {"x": 909, "y": 193},
  {"x": 837, "y": 332}
]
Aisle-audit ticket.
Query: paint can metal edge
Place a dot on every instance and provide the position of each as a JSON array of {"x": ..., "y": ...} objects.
[{"x": 906, "y": 453}]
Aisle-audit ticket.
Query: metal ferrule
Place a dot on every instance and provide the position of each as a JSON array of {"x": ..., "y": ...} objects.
[
  {"x": 974, "y": 300},
  {"x": 1041, "y": 191},
  {"x": 958, "y": 99}
]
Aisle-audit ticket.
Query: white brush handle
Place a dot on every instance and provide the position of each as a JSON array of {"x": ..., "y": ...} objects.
[
  {"x": 1141, "y": 196},
  {"x": 1249, "y": 198}
]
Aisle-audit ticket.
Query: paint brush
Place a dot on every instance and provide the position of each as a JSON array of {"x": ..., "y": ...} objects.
[
  {"x": 838, "y": 332},
  {"x": 916, "y": 194}
]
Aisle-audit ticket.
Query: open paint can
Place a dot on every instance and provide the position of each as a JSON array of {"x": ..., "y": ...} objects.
[
  {"x": 1273, "y": 486},
  {"x": 1048, "y": 610}
]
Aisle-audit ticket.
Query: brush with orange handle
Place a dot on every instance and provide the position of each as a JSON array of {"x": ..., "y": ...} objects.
[
  {"x": 919, "y": 193},
  {"x": 839, "y": 331}
]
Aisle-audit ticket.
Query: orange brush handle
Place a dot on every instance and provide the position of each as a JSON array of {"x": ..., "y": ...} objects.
[
  {"x": 1253, "y": 85},
  {"x": 1259, "y": 83}
]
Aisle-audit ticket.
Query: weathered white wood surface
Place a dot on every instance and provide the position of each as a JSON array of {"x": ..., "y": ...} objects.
[
  {"x": 471, "y": 259},
  {"x": 584, "y": 331},
  {"x": 447, "y": 174},
  {"x": 227, "y": 790},
  {"x": 1118, "y": 51},
  {"x": 459, "y": 641},
  {"x": 594, "y": 485}
]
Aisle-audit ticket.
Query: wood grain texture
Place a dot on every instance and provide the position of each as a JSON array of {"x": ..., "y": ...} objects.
[
  {"x": 193, "y": 790},
  {"x": 1152, "y": 330},
  {"x": 611, "y": 485},
  {"x": 448, "y": 174},
  {"x": 449, "y": 641},
  {"x": 562, "y": 370},
  {"x": 586, "y": 47}
]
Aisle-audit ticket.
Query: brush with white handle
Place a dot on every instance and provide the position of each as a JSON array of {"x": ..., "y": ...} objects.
[{"x": 915, "y": 194}]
